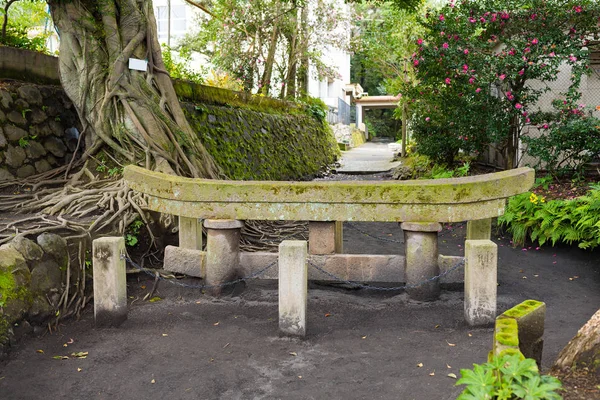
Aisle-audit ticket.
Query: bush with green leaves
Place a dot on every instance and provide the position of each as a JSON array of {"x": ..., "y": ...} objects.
[
  {"x": 529, "y": 216},
  {"x": 506, "y": 378},
  {"x": 569, "y": 141},
  {"x": 475, "y": 65},
  {"x": 178, "y": 63}
]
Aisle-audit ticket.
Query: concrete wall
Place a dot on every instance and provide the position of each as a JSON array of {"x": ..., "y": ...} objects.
[{"x": 28, "y": 66}]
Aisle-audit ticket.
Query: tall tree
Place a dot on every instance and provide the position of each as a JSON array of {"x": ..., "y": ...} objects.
[{"x": 134, "y": 113}]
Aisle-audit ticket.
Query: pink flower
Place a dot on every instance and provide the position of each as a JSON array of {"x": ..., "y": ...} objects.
[
  {"x": 478, "y": 90},
  {"x": 534, "y": 41},
  {"x": 578, "y": 9},
  {"x": 526, "y": 50},
  {"x": 442, "y": 33},
  {"x": 416, "y": 62},
  {"x": 545, "y": 126},
  {"x": 494, "y": 17},
  {"x": 522, "y": 71},
  {"x": 420, "y": 42},
  {"x": 472, "y": 20},
  {"x": 518, "y": 106},
  {"x": 445, "y": 45},
  {"x": 527, "y": 120},
  {"x": 466, "y": 51},
  {"x": 504, "y": 15},
  {"x": 472, "y": 80},
  {"x": 502, "y": 76},
  {"x": 442, "y": 17},
  {"x": 465, "y": 67},
  {"x": 572, "y": 58},
  {"x": 509, "y": 95},
  {"x": 511, "y": 52},
  {"x": 552, "y": 54},
  {"x": 482, "y": 20},
  {"x": 533, "y": 16},
  {"x": 427, "y": 119},
  {"x": 448, "y": 81}
]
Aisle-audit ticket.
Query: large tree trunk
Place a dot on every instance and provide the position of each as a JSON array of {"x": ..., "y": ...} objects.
[
  {"x": 584, "y": 349},
  {"x": 303, "y": 70},
  {"x": 135, "y": 113}
]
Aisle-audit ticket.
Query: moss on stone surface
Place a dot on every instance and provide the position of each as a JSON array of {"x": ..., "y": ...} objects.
[
  {"x": 522, "y": 309},
  {"x": 15, "y": 298},
  {"x": 252, "y": 145}
]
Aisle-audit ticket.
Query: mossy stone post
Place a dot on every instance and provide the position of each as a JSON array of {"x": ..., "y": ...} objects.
[
  {"x": 481, "y": 281},
  {"x": 479, "y": 229},
  {"x": 293, "y": 287},
  {"x": 110, "y": 283},
  {"x": 190, "y": 233},
  {"x": 530, "y": 317},
  {"x": 325, "y": 237},
  {"x": 222, "y": 251},
  {"x": 421, "y": 251}
]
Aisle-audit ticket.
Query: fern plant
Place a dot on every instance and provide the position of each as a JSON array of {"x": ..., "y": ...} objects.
[
  {"x": 508, "y": 378},
  {"x": 569, "y": 221}
]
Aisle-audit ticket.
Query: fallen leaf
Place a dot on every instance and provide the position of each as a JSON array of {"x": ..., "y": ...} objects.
[
  {"x": 328, "y": 315},
  {"x": 198, "y": 302},
  {"x": 420, "y": 365},
  {"x": 293, "y": 353},
  {"x": 432, "y": 373},
  {"x": 452, "y": 375},
  {"x": 216, "y": 324},
  {"x": 80, "y": 354},
  {"x": 524, "y": 277},
  {"x": 143, "y": 286},
  {"x": 153, "y": 381},
  {"x": 71, "y": 341},
  {"x": 165, "y": 334},
  {"x": 155, "y": 299},
  {"x": 437, "y": 326},
  {"x": 448, "y": 366},
  {"x": 61, "y": 357},
  {"x": 79, "y": 370},
  {"x": 40, "y": 351},
  {"x": 299, "y": 376},
  {"x": 65, "y": 345},
  {"x": 470, "y": 334},
  {"x": 535, "y": 276},
  {"x": 364, "y": 337},
  {"x": 451, "y": 344},
  {"x": 226, "y": 345}
]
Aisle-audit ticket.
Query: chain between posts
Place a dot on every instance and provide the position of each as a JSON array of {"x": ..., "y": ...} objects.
[
  {"x": 253, "y": 275},
  {"x": 256, "y": 274},
  {"x": 352, "y": 226},
  {"x": 383, "y": 288}
]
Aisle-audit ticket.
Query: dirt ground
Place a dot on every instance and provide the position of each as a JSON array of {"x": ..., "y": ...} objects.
[{"x": 360, "y": 344}]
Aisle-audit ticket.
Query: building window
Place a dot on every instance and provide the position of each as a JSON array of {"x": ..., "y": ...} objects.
[{"x": 178, "y": 21}]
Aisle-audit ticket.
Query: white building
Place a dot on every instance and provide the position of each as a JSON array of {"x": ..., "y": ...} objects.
[{"x": 174, "y": 18}]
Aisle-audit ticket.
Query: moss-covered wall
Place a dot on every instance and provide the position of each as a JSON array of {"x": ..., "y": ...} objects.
[
  {"x": 258, "y": 138},
  {"x": 251, "y": 145}
]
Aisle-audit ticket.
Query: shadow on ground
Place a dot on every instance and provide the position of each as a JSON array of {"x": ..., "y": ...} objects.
[{"x": 360, "y": 345}]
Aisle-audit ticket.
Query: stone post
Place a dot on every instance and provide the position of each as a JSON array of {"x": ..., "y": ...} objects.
[
  {"x": 421, "y": 250},
  {"x": 481, "y": 280},
  {"x": 325, "y": 237},
  {"x": 110, "y": 284},
  {"x": 293, "y": 287},
  {"x": 222, "y": 251},
  {"x": 479, "y": 229},
  {"x": 190, "y": 233}
]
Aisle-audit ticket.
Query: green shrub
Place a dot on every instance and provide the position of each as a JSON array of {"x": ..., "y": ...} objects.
[
  {"x": 570, "y": 221},
  {"x": 507, "y": 378}
]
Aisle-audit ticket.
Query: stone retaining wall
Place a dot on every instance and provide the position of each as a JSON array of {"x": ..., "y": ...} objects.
[
  {"x": 37, "y": 129},
  {"x": 31, "y": 284}
]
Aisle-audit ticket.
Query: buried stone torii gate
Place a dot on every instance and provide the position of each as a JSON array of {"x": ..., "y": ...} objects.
[{"x": 420, "y": 207}]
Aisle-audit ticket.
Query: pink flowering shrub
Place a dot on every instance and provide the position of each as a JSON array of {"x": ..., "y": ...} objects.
[{"x": 503, "y": 46}]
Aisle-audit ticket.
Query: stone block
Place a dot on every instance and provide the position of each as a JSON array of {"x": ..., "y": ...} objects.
[
  {"x": 5, "y": 99},
  {"x": 15, "y": 156},
  {"x": 190, "y": 233},
  {"x": 506, "y": 337},
  {"x": 30, "y": 250},
  {"x": 55, "y": 246},
  {"x": 30, "y": 94},
  {"x": 55, "y": 146},
  {"x": 185, "y": 261},
  {"x": 530, "y": 316},
  {"x": 42, "y": 166},
  {"x": 3, "y": 141},
  {"x": 25, "y": 171},
  {"x": 480, "y": 229},
  {"x": 45, "y": 275},
  {"x": 481, "y": 264},
  {"x": 293, "y": 287},
  {"x": 16, "y": 118},
  {"x": 5, "y": 175},
  {"x": 35, "y": 150},
  {"x": 110, "y": 283},
  {"x": 321, "y": 237},
  {"x": 38, "y": 116},
  {"x": 14, "y": 133}
]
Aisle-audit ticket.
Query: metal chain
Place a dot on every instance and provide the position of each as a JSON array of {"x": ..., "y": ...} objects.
[
  {"x": 386, "y": 289},
  {"x": 174, "y": 282},
  {"x": 352, "y": 226}
]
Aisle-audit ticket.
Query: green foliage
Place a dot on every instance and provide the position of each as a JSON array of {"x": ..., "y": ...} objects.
[
  {"x": 529, "y": 216},
  {"x": 177, "y": 64},
  {"x": 315, "y": 107},
  {"x": 132, "y": 233},
  {"x": 508, "y": 378},
  {"x": 22, "y": 18},
  {"x": 475, "y": 62},
  {"x": 568, "y": 142}
]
